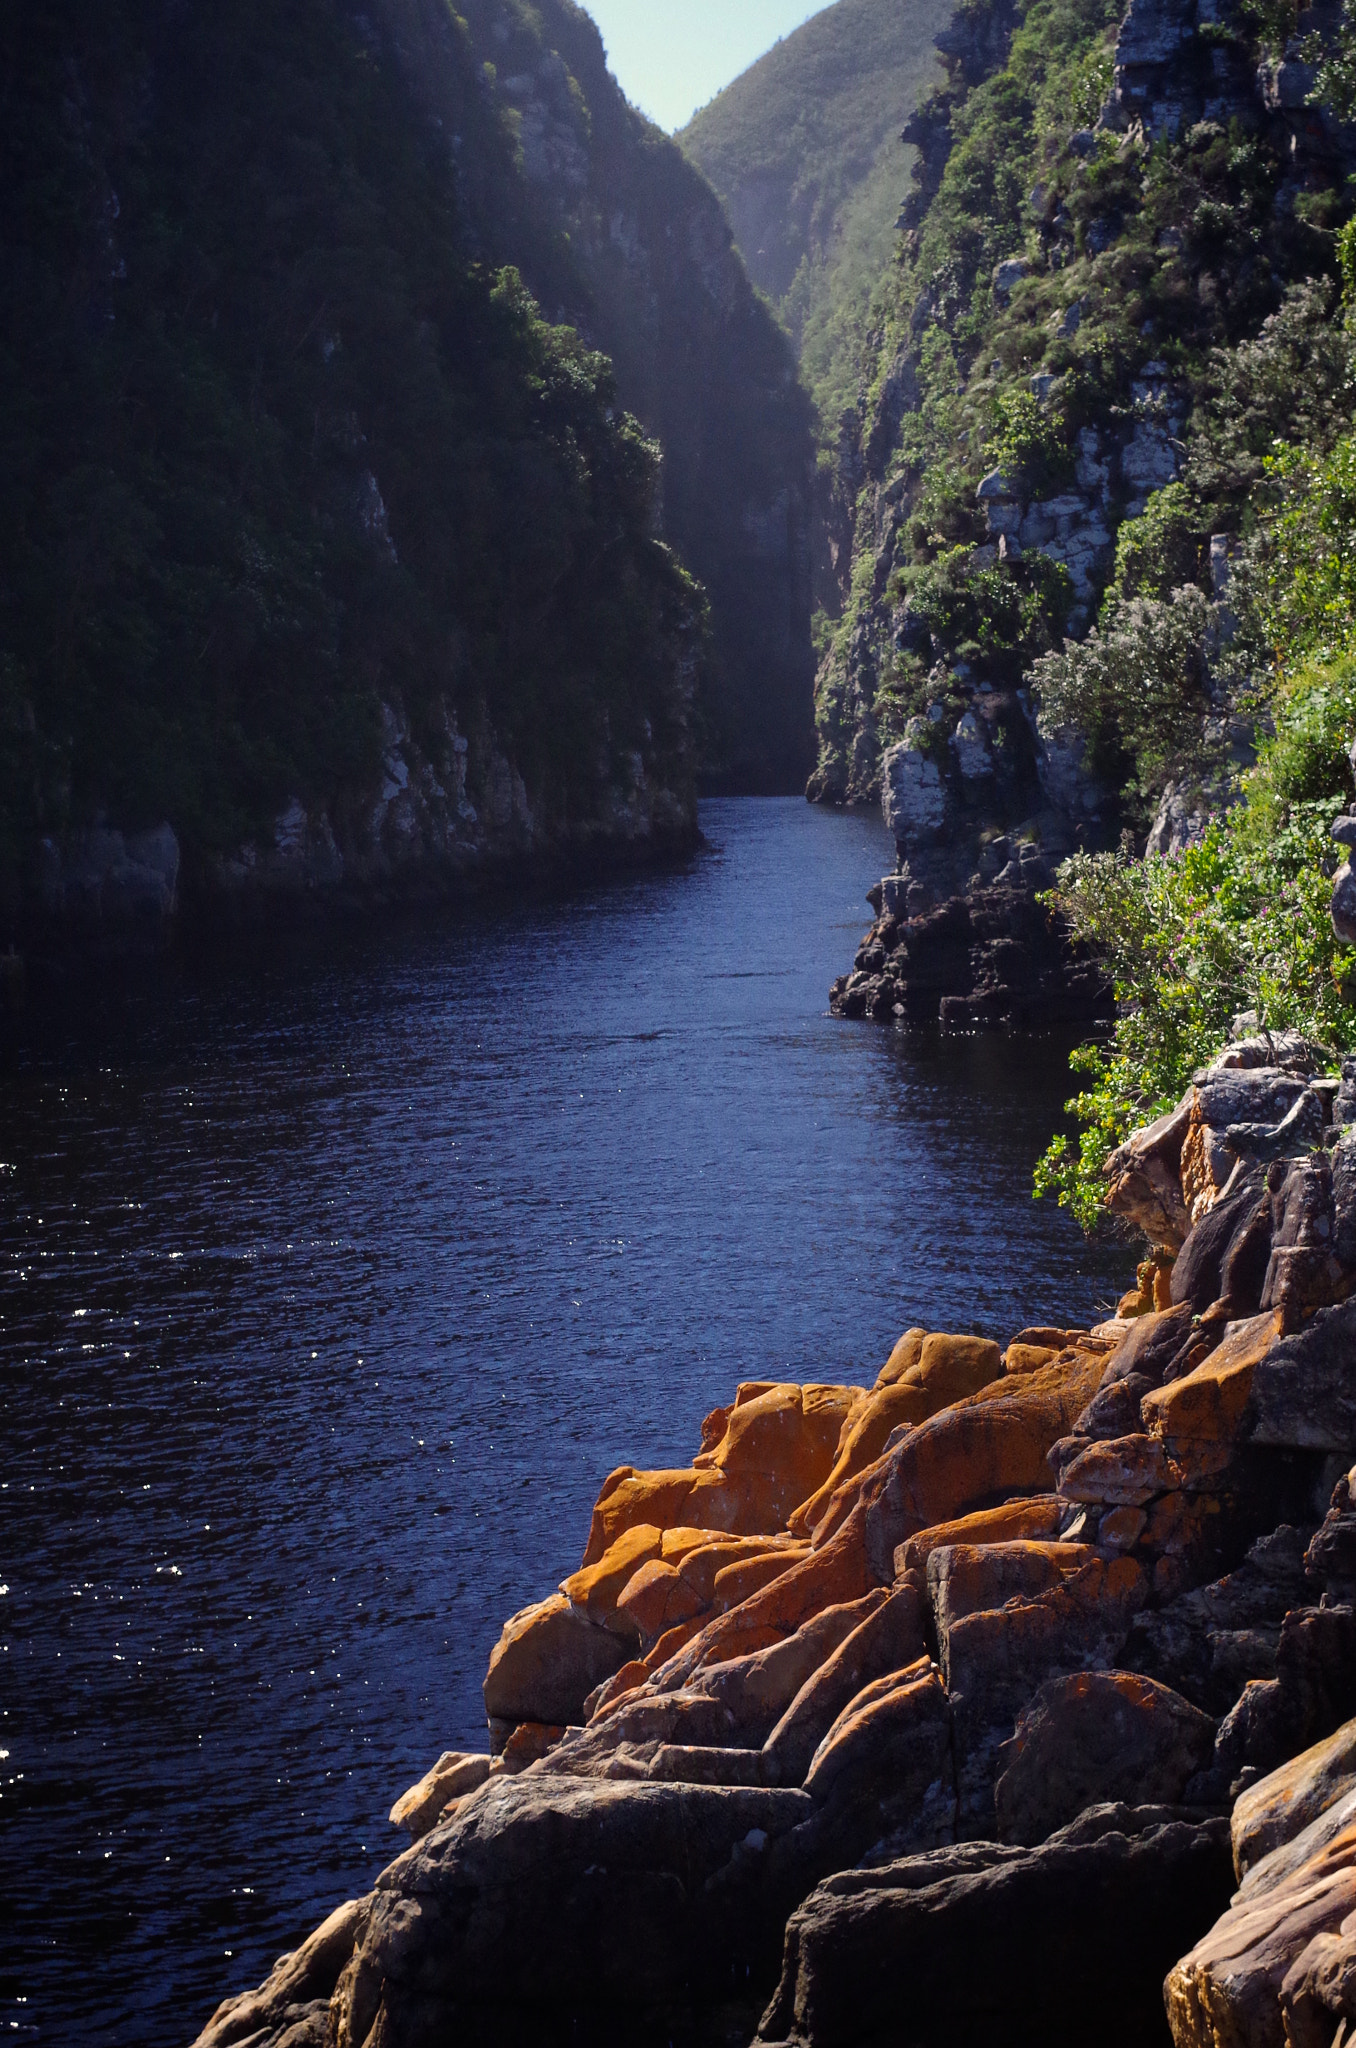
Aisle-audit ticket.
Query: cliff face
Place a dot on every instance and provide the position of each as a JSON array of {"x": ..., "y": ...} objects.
[
  {"x": 331, "y": 560},
  {"x": 1100, "y": 206},
  {"x": 618, "y": 235},
  {"x": 907, "y": 1693}
]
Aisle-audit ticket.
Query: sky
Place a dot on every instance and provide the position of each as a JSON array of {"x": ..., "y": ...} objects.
[{"x": 671, "y": 56}]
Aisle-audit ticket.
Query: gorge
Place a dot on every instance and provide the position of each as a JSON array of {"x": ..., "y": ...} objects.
[{"x": 559, "y": 1485}]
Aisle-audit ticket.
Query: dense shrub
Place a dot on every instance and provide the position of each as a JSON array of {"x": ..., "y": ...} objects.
[
  {"x": 1239, "y": 922},
  {"x": 1135, "y": 687}
]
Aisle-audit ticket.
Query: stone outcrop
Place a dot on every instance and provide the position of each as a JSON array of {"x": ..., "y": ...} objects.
[
  {"x": 984, "y": 1942},
  {"x": 937, "y": 1678},
  {"x": 992, "y": 957}
]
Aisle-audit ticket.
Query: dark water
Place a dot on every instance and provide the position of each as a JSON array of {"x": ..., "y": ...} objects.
[{"x": 333, "y": 1287}]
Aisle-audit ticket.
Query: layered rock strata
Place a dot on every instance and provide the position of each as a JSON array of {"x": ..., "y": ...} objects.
[{"x": 914, "y": 1689}]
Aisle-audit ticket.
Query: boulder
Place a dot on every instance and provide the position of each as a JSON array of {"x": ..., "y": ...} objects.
[
  {"x": 970, "y": 1456},
  {"x": 1280, "y": 1807},
  {"x": 891, "y": 1748},
  {"x": 888, "y": 1639},
  {"x": 833, "y": 1576},
  {"x": 557, "y": 1909},
  {"x": 758, "y": 1689},
  {"x": 453, "y": 1776},
  {"x": 1096, "y": 1737},
  {"x": 775, "y": 1448},
  {"x": 1236, "y": 1983},
  {"x": 1035, "y": 1520},
  {"x": 297, "y": 1993},
  {"x": 1304, "y": 1387},
  {"x": 944, "y": 1371},
  {"x": 547, "y": 1661},
  {"x": 1209, "y": 1405},
  {"x": 982, "y": 1943},
  {"x": 1121, "y": 1472},
  {"x": 596, "y": 1589}
]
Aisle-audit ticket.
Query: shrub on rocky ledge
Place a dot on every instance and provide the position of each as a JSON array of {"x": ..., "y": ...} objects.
[{"x": 1239, "y": 921}]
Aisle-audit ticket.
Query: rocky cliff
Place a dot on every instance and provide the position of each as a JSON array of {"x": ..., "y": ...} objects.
[
  {"x": 900, "y": 1696},
  {"x": 337, "y": 558},
  {"x": 1102, "y": 205},
  {"x": 619, "y": 235}
]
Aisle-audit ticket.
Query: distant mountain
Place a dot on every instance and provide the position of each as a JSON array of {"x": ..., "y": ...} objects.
[{"x": 805, "y": 151}]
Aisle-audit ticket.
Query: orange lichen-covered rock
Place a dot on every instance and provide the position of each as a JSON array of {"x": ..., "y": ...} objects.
[
  {"x": 971, "y": 1455},
  {"x": 1017, "y": 1521},
  {"x": 658, "y": 1598},
  {"x": 831, "y": 1577},
  {"x": 968, "y": 1578},
  {"x": 547, "y": 1661},
  {"x": 597, "y": 1588},
  {"x": 945, "y": 1370},
  {"x": 702, "y": 1564},
  {"x": 737, "y": 1582},
  {"x": 894, "y": 1742},
  {"x": 949, "y": 1368},
  {"x": 778, "y": 1444},
  {"x": 758, "y": 1688},
  {"x": 904, "y": 1356},
  {"x": 1122, "y": 1471},
  {"x": 1209, "y": 1405},
  {"x": 890, "y": 1638},
  {"x": 899, "y": 1405},
  {"x": 1020, "y": 1358}
]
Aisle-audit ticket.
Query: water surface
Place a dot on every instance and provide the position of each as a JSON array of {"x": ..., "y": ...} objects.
[{"x": 333, "y": 1286}]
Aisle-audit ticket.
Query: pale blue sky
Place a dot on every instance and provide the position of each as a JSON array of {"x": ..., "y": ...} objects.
[{"x": 671, "y": 56}]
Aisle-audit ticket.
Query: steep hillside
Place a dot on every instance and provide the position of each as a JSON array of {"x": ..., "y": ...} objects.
[
  {"x": 1112, "y": 296},
  {"x": 804, "y": 149},
  {"x": 617, "y": 234},
  {"x": 321, "y": 544}
]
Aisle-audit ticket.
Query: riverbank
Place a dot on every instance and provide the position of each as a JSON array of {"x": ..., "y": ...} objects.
[{"x": 969, "y": 1662}]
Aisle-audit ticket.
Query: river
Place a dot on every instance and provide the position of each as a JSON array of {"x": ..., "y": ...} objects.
[{"x": 337, "y": 1279}]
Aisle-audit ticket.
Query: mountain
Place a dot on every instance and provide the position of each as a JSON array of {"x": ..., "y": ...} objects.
[
  {"x": 367, "y": 399},
  {"x": 804, "y": 149}
]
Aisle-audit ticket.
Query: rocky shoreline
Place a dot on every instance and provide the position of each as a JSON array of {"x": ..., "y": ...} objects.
[{"x": 1024, "y": 1656}]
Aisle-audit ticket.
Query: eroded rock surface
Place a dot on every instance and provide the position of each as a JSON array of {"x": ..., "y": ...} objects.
[{"x": 881, "y": 1660}]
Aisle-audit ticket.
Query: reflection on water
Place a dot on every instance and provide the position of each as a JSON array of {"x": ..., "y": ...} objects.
[{"x": 332, "y": 1290}]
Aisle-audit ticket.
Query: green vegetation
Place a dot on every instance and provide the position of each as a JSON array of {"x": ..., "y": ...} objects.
[
  {"x": 804, "y": 149},
  {"x": 1240, "y": 921},
  {"x": 277, "y": 447},
  {"x": 1180, "y": 287}
]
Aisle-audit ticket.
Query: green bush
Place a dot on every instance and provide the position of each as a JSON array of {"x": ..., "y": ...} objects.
[
  {"x": 1158, "y": 552},
  {"x": 1135, "y": 687},
  {"x": 1029, "y": 444},
  {"x": 1240, "y": 921}
]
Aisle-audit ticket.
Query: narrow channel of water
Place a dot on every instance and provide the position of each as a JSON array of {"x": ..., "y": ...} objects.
[{"x": 333, "y": 1288}]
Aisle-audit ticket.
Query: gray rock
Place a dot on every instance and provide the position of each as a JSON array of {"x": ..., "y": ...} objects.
[
  {"x": 1304, "y": 1390},
  {"x": 1344, "y": 905},
  {"x": 913, "y": 795},
  {"x": 984, "y": 1943},
  {"x": 1100, "y": 1736},
  {"x": 554, "y": 1910}
]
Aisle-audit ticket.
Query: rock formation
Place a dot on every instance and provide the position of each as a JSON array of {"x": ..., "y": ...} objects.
[{"x": 912, "y": 1690}]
